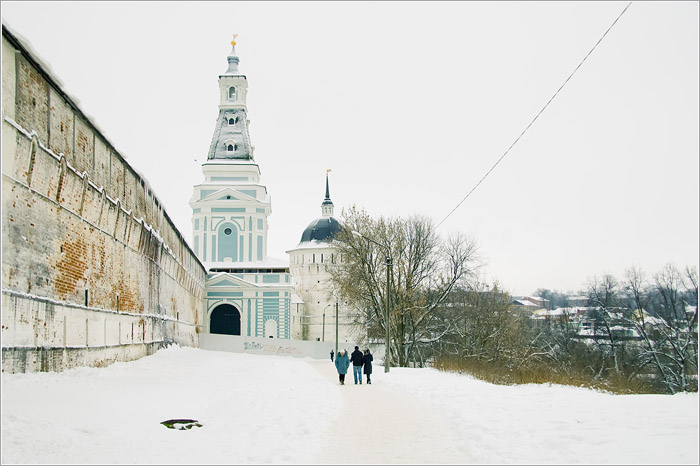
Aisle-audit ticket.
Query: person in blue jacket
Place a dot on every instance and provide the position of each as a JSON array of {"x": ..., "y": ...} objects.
[{"x": 342, "y": 362}]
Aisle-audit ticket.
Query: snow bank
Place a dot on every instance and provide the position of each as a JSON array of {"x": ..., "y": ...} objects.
[
  {"x": 554, "y": 424},
  {"x": 282, "y": 410},
  {"x": 254, "y": 409}
]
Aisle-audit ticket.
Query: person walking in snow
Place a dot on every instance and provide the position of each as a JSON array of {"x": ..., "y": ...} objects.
[
  {"x": 342, "y": 362},
  {"x": 332, "y": 353},
  {"x": 356, "y": 358},
  {"x": 367, "y": 360}
]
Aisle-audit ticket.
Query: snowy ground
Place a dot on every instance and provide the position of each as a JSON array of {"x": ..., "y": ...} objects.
[{"x": 275, "y": 409}]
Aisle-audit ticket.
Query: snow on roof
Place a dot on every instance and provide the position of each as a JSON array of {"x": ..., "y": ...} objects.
[
  {"x": 652, "y": 320},
  {"x": 231, "y": 162},
  {"x": 572, "y": 310},
  {"x": 520, "y": 302},
  {"x": 267, "y": 263},
  {"x": 313, "y": 244},
  {"x": 535, "y": 298},
  {"x": 230, "y": 183},
  {"x": 560, "y": 311}
]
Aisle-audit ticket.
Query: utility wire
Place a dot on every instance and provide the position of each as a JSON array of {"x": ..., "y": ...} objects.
[{"x": 534, "y": 119}]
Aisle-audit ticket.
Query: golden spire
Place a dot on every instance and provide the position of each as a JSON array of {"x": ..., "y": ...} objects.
[{"x": 233, "y": 42}]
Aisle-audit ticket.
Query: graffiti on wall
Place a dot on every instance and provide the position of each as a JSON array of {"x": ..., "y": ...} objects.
[{"x": 273, "y": 349}]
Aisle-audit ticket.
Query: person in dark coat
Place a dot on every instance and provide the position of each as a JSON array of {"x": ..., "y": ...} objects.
[
  {"x": 332, "y": 353},
  {"x": 367, "y": 360},
  {"x": 342, "y": 362},
  {"x": 356, "y": 358}
]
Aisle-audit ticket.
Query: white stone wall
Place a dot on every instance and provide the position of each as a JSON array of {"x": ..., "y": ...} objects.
[
  {"x": 267, "y": 346},
  {"x": 309, "y": 267},
  {"x": 41, "y": 334}
]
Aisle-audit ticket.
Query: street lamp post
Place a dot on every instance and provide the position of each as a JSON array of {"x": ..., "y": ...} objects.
[
  {"x": 389, "y": 265},
  {"x": 323, "y": 330},
  {"x": 336, "y": 328}
]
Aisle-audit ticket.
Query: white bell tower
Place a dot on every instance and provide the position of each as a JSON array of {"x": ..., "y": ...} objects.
[
  {"x": 247, "y": 293},
  {"x": 230, "y": 208}
]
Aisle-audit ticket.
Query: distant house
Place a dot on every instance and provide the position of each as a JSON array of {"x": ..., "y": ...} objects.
[
  {"x": 577, "y": 301},
  {"x": 562, "y": 314},
  {"x": 535, "y": 301},
  {"x": 526, "y": 307}
]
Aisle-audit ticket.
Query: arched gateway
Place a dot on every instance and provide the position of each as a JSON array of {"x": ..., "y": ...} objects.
[{"x": 226, "y": 320}]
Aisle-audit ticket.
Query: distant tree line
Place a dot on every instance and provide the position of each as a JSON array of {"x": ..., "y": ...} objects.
[{"x": 641, "y": 333}]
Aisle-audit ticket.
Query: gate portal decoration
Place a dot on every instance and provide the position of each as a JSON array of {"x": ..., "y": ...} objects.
[{"x": 226, "y": 320}]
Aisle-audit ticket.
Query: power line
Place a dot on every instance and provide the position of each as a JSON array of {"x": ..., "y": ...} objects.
[{"x": 536, "y": 117}]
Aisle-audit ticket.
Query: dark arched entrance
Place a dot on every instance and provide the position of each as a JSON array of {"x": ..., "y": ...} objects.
[{"x": 226, "y": 320}]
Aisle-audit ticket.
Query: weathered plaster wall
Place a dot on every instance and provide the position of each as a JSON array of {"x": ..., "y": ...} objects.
[
  {"x": 93, "y": 269},
  {"x": 309, "y": 267}
]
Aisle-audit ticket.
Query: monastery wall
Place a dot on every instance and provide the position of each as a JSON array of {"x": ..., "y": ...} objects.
[
  {"x": 312, "y": 282},
  {"x": 93, "y": 269}
]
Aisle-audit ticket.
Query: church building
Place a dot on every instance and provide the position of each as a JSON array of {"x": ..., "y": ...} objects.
[
  {"x": 323, "y": 312},
  {"x": 247, "y": 293}
]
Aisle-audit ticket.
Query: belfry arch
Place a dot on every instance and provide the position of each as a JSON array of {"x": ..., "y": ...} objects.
[{"x": 225, "y": 319}]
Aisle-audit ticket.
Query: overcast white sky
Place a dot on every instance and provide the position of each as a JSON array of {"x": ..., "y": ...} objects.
[{"x": 409, "y": 104}]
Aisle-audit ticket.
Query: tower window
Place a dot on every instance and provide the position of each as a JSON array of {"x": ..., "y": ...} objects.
[
  {"x": 231, "y": 121},
  {"x": 230, "y": 146},
  {"x": 227, "y": 231},
  {"x": 232, "y": 93}
]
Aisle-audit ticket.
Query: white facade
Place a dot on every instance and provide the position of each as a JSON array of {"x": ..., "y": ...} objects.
[
  {"x": 229, "y": 213},
  {"x": 247, "y": 293},
  {"x": 309, "y": 264}
]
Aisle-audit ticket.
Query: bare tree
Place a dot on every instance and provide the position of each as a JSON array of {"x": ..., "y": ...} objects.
[
  {"x": 485, "y": 326},
  {"x": 677, "y": 327},
  {"x": 425, "y": 270},
  {"x": 664, "y": 314},
  {"x": 603, "y": 296}
]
